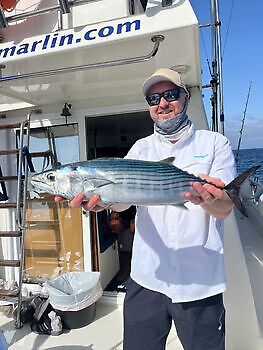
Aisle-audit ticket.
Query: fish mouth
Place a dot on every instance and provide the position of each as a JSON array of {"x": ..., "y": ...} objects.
[
  {"x": 39, "y": 186},
  {"x": 34, "y": 192},
  {"x": 32, "y": 186}
]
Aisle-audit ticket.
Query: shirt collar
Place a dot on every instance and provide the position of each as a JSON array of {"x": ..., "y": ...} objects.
[{"x": 180, "y": 142}]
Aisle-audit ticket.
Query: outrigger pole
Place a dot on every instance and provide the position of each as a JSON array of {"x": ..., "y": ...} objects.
[{"x": 217, "y": 78}]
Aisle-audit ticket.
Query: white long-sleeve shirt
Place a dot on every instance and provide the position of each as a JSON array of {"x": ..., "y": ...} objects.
[{"x": 180, "y": 252}]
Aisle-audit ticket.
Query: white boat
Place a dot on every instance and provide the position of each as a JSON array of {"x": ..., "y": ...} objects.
[{"x": 76, "y": 69}]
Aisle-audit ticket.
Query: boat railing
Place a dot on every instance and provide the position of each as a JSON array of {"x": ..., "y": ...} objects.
[
  {"x": 64, "y": 7},
  {"x": 256, "y": 188}
]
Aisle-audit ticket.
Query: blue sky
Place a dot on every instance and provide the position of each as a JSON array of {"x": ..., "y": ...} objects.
[{"x": 242, "y": 63}]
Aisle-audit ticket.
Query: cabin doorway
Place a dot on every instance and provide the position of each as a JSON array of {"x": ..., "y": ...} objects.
[{"x": 113, "y": 136}]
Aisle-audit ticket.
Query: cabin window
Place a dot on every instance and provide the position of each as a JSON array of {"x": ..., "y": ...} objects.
[{"x": 60, "y": 143}]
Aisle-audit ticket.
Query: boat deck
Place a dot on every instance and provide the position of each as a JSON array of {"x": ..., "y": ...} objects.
[{"x": 104, "y": 333}]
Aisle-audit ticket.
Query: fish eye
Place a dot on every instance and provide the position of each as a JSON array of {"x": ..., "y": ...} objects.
[{"x": 51, "y": 177}]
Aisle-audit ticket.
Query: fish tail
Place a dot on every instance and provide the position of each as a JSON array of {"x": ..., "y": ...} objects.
[{"x": 233, "y": 189}]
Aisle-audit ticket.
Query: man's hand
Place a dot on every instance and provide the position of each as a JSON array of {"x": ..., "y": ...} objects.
[
  {"x": 213, "y": 200},
  {"x": 80, "y": 200}
]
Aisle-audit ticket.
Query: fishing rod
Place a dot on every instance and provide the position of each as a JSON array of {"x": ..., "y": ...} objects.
[{"x": 243, "y": 122}]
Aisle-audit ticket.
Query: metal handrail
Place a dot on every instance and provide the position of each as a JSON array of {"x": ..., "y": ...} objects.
[
  {"x": 66, "y": 7},
  {"x": 19, "y": 172},
  {"x": 22, "y": 161},
  {"x": 21, "y": 211},
  {"x": 157, "y": 39},
  {"x": 22, "y": 225}
]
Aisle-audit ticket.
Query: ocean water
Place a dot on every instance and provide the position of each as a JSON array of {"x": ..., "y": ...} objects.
[{"x": 248, "y": 158}]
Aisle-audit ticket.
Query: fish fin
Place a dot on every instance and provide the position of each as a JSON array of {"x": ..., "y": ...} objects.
[
  {"x": 168, "y": 160},
  {"x": 233, "y": 189}
]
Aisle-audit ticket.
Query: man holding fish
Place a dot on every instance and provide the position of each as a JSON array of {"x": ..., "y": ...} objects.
[{"x": 177, "y": 272}]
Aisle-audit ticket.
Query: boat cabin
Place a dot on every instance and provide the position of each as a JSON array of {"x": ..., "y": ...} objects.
[{"x": 78, "y": 72}]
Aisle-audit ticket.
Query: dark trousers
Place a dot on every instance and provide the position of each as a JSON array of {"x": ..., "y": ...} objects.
[{"x": 148, "y": 317}]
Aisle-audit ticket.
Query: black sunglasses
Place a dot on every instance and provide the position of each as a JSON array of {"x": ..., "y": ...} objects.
[{"x": 169, "y": 95}]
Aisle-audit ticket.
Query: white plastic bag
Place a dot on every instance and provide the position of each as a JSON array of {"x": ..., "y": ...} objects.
[{"x": 74, "y": 291}]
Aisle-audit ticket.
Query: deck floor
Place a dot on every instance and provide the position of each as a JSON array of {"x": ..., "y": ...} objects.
[{"x": 104, "y": 333}]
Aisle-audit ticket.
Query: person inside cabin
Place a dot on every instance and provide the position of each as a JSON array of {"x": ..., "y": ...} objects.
[
  {"x": 122, "y": 224},
  {"x": 177, "y": 268}
]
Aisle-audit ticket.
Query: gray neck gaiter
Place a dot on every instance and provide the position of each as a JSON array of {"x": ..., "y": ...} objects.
[{"x": 172, "y": 125}]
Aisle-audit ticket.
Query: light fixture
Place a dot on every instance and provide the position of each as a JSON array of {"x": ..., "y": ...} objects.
[
  {"x": 66, "y": 111},
  {"x": 181, "y": 68}
]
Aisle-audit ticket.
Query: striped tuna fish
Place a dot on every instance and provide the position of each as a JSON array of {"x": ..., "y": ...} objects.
[{"x": 127, "y": 181}]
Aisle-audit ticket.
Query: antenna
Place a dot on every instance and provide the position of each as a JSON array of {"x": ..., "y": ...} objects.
[{"x": 243, "y": 122}]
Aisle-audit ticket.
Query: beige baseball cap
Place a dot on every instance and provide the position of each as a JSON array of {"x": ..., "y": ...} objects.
[{"x": 163, "y": 74}]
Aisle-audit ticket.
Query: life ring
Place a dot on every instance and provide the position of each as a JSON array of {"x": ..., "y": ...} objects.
[{"x": 8, "y": 5}]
